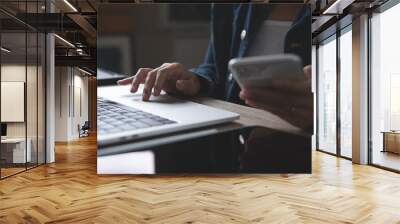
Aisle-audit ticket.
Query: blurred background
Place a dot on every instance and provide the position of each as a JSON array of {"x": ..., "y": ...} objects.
[{"x": 147, "y": 35}]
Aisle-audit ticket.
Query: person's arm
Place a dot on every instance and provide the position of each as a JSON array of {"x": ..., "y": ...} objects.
[{"x": 207, "y": 71}]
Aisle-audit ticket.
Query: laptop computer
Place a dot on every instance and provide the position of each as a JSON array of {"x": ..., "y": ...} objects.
[{"x": 123, "y": 116}]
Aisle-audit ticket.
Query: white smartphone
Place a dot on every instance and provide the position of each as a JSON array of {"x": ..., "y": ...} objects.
[{"x": 259, "y": 71}]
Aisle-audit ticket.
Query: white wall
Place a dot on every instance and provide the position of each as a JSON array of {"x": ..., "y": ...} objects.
[
  {"x": 71, "y": 94},
  {"x": 82, "y": 83},
  {"x": 14, "y": 73},
  {"x": 17, "y": 73},
  {"x": 12, "y": 101},
  {"x": 62, "y": 81},
  {"x": 80, "y": 110},
  {"x": 33, "y": 126}
]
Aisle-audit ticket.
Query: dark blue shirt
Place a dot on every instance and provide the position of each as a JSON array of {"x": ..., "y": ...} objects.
[{"x": 226, "y": 42}]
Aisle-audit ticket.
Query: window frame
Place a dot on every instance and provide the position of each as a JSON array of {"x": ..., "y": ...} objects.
[
  {"x": 378, "y": 10},
  {"x": 336, "y": 36},
  {"x": 25, "y": 30}
]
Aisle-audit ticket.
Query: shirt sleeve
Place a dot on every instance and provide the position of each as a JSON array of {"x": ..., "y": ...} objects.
[{"x": 207, "y": 71}]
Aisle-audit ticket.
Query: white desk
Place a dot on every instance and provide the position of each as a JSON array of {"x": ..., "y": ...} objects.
[{"x": 19, "y": 155}]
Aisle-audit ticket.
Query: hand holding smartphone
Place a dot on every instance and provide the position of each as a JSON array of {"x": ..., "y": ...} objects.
[
  {"x": 259, "y": 71},
  {"x": 277, "y": 84}
]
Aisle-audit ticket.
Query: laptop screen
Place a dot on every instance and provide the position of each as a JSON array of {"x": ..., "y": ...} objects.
[{"x": 107, "y": 77}]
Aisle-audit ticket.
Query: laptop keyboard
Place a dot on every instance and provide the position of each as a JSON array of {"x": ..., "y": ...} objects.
[{"x": 113, "y": 117}]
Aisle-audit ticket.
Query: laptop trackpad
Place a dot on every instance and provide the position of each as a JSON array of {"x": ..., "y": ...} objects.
[{"x": 164, "y": 98}]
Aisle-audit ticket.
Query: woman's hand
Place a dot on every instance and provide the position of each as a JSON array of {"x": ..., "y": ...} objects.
[
  {"x": 170, "y": 77},
  {"x": 291, "y": 100}
]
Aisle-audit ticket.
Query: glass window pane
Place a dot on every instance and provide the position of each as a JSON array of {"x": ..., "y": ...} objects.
[
  {"x": 32, "y": 89},
  {"x": 327, "y": 96},
  {"x": 23, "y": 87},
  {"x": 31, "y": 98},
  {"x": 346, "y": 94},
  {"x": 385, "y": 89},
  {"x": 41, "y": 98},
  {"x": 13, "y": 86}
]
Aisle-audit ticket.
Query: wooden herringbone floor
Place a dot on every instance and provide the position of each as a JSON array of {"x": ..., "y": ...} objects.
[{"x": 69, "y": 191}]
